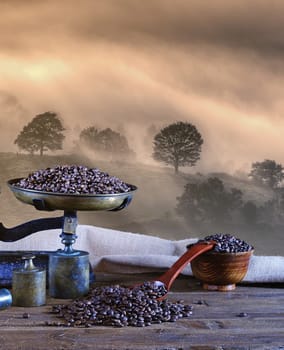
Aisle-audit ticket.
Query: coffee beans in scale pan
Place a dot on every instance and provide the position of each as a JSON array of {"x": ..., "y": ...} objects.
[
  {"x": 74, "y": 179},
  {"x": 72, "y": 187},
  {"x": 225, "y": 265}
]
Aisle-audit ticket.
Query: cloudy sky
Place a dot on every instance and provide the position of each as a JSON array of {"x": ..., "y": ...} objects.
[{"x": 127, "y": 64}]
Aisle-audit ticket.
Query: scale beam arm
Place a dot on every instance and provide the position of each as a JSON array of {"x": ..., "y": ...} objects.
[{"x": 18, "y": 232}]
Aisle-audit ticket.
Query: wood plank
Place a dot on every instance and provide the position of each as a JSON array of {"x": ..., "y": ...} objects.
[
  {"x": 215, "y": 323},
  {"x": 150, "y": 338}
]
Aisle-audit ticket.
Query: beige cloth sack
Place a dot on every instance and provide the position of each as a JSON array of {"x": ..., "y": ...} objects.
[{"x": 113, "y": 251}]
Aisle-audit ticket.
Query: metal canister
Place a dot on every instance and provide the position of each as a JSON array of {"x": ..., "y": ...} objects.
[
  {"x": 29, "y": 284},
  {"x": 69, "y": 274},
  {"x": 5, "y": 298}
]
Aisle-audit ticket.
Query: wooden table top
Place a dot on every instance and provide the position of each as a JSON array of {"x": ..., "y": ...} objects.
[{"x": 249, "y": 317}]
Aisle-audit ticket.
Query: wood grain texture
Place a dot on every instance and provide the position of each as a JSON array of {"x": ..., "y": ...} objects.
[{"x": 216, "y": 323}]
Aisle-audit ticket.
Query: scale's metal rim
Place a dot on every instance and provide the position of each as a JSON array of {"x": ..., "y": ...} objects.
[{"x": 68, "y": 201}]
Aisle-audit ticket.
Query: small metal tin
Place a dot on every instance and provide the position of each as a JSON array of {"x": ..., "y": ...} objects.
[
  {"x": 29, "y": 284},
  {"x": 5, "y": 298}
]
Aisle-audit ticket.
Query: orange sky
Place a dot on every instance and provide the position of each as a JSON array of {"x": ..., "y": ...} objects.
[{"x": 127, "y": 64}]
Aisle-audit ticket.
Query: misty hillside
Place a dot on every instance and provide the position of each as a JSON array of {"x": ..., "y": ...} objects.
[
  {"x": 251, "y": 190},
  {"x": 152, "y": 210}
]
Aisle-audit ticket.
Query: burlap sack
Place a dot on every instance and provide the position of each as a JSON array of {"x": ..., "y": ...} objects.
[{"x": 113, "y": 251}]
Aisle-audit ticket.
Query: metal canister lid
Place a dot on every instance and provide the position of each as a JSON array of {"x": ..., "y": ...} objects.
[
  {"x": 29, "y": 284},
  {"x": 29, "y": 266}
]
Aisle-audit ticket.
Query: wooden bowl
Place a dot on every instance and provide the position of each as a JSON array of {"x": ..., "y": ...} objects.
[{"x": 221, "y": 271}]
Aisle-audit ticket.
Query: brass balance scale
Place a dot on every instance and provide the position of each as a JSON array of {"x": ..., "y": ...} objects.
[{"x": 68, "y": 269}]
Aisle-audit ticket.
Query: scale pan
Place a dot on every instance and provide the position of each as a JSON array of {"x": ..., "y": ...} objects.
[{"x": 57, "y": 201}]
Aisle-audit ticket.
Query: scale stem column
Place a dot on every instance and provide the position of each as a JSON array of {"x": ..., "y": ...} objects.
[
  {"x": 68, "y": 234},
  {"x": 69, "y": 269}
]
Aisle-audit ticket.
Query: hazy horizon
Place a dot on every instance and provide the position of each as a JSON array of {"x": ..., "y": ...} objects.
[{"x": 129, "y": 64}]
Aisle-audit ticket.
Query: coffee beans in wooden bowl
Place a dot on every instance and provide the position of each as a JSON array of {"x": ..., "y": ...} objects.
[{"x": 225, "y": 265}]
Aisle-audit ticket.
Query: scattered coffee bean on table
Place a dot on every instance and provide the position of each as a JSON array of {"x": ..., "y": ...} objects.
[
  {"x": 242, "y": 314},
  {"x": 74, "y": 179},
  {"x": 226, "y": 243},
  {"x": 120, "y": 306}
]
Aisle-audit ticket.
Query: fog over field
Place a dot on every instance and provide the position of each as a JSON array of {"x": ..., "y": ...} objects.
[{"x": 128, "y": 64}]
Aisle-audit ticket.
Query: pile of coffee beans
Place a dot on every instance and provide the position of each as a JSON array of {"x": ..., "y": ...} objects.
[
  {"x": 226, "y": 243},
  {"x": 119, "y": 306},
  {"x": 74, "y": 179},
  {"x": 153, "y": 289}
]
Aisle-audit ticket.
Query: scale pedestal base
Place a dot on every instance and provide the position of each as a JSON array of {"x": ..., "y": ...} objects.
[{"x": 68, "y": 274}]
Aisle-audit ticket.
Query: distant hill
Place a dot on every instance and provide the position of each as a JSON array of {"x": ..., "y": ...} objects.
[{"x": 251, "y": 191}]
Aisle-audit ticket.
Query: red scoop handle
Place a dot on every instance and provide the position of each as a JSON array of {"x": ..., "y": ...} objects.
[{"x": 171, "y": 274}]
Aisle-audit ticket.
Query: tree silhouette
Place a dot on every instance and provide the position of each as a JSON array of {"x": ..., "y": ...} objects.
[
  {"x": 249, "y": 212},
  {"x": 89, "y": 136},
  {"x": 43, "y": 133},
  {"x": 106, "y": 141},
  {"x": 267, "y": 172},
  {"x": 208, "y": 201},
  {"x": 178, "y": 144}
]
